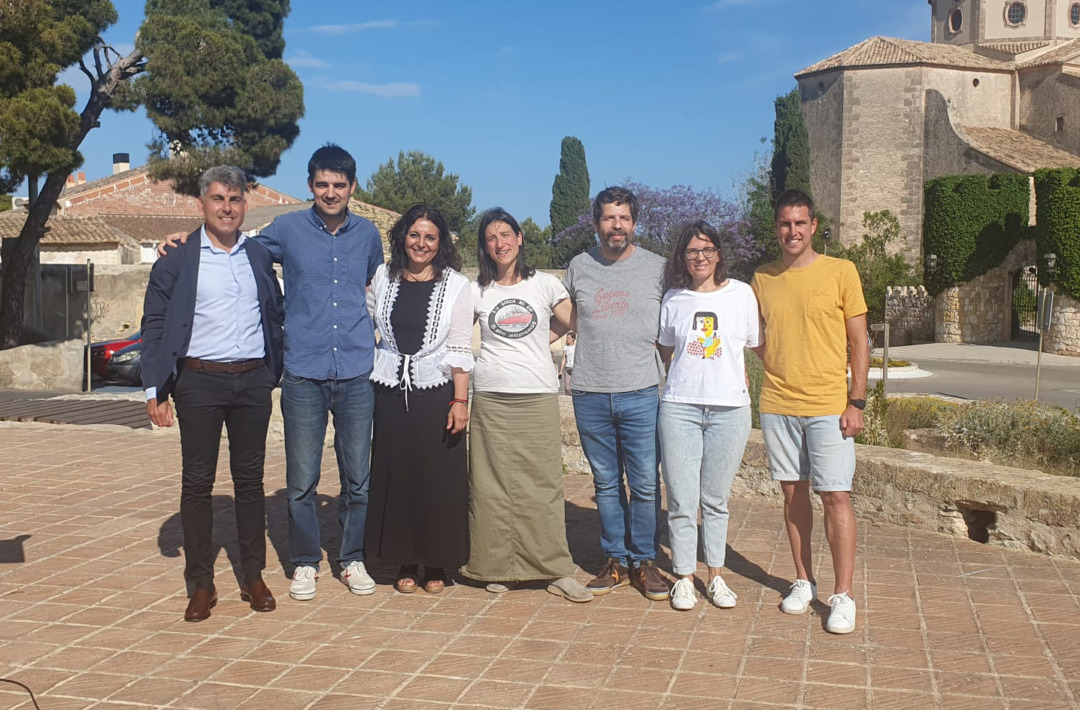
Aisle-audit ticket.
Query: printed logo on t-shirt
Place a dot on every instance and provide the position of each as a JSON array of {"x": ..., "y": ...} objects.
[
  {"x": 611, "y": 304},
  {"x": 704, "y": 341},
  {"x": 512, "y": 318}
]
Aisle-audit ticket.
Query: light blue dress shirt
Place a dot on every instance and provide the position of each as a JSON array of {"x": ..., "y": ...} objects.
[{"x": 227, "y": 324}]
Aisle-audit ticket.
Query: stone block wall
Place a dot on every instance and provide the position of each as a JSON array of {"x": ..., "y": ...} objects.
[
  {"x": 947, "y": 316},
  {"x": 909, "y": 311},
  {"x": 1063, "y": 338}
]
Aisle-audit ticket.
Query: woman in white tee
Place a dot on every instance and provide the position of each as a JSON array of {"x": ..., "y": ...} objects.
[
  {"x": 706, "y": 320},
  {"x": 517, "y": 529}
]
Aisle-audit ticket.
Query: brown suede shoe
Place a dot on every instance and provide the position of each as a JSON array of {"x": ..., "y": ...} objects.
[
  {"x": 200, "y": 604},
  {"x": 648, "y": 579},
  {"x": 611, "y": 576},
  {"x": 258, "y": 595}
]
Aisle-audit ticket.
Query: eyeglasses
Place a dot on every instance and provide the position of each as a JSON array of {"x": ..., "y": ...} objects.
[{"x": 708, "y": 252}]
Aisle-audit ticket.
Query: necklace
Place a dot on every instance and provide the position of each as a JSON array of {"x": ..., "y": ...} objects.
[{"x": 428, "y": 276}]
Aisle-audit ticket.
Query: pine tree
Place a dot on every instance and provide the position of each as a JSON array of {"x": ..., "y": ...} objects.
[
  {"x": 791, "y": 146},
  {"x": 570, "y": 191}
]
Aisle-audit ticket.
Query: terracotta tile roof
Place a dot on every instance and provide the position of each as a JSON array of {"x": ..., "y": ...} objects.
[
  {"x": 65, "y": 230},
  {"x": 72, "y": 190},
  {"x": 1018, "y": 150},
  {"x": 1015, "y": 48},
  {"x": 151, "y": 228},
  {"x": 1057, "y": 55},
  {"x": 259, "y": 217},
  {"x": 883, "y": 51}
]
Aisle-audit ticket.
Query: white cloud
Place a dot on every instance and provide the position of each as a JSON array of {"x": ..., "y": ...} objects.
[
  {"x": 363, "y": 26},
  {"x": 401, "y": 90},
  {"x": 301, "y": 58}
]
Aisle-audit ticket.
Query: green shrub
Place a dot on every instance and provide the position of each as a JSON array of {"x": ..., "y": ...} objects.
[
  {"x": 919, "y": 412},
  {"x": 1023, "y": 433},
  {"x": 875, "y": 417},
  {"x": 971, "y": 223},
  {"x": 1058, "y": 230},
  {"x": 756, "y": 374}
]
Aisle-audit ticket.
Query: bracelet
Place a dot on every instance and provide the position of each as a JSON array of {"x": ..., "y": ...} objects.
[{"x": 459, "y": 401}]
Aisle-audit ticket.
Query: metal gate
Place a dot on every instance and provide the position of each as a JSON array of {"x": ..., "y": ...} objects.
[{"x": 1025, "y": 303}]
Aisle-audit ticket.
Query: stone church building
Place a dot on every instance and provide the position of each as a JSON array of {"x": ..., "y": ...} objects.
[{"x": 997, "y": 89}]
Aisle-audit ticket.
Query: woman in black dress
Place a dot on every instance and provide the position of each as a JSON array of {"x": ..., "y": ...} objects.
[{"x": 422, "y": 306}]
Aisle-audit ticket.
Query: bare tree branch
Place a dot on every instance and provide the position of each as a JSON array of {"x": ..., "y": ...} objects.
[{"x": 85, "y": 70}]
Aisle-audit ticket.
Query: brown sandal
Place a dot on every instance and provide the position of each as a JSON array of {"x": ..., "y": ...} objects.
[
  {"x": 408, "y": 578},
  {"x": 434, "y": 580}
]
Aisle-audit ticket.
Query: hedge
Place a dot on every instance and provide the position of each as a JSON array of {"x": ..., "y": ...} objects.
[
  {"x": 971, "y": 223},
  {"x": 1058, "y": 230}
]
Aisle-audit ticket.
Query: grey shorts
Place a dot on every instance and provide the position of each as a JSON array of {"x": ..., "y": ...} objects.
[{"x": 809, "y": 449}]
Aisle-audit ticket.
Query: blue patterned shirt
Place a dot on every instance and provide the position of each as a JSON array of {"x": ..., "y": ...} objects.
[{"x": 328, "y": 332}]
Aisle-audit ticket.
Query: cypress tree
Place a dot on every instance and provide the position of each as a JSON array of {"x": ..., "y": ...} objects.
[
  {"x": 570, "y": 191},
  {"x": 791, "y": 146}
]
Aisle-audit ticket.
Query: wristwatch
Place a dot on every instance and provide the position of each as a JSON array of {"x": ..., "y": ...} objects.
[{"x": 859, "y": 404}]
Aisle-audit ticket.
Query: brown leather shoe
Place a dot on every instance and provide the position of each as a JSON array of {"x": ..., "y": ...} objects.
[
  {"x": 200, "y": 604},
  {"x": 258, "y": 595}
]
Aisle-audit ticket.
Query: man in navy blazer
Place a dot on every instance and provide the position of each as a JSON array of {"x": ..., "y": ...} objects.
[{"x": 212, "y": 341}]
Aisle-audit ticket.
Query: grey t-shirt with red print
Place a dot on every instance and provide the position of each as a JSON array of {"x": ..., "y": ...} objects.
[{"x": 618, "y": 312}]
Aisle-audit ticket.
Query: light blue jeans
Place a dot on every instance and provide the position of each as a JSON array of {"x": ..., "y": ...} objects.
[
  {"x": 809, "y": 448},
  {"x": 701, "y": 447}
]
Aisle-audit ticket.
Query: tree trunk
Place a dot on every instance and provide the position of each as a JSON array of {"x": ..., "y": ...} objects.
[{"x": 18, "y": 260}]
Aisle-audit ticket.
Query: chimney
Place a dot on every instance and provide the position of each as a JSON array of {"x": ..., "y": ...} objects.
[
  {"x": 71, "y": 180},
  {"x": 120, "y": 162},
  {"x": 82, "y": 178}
]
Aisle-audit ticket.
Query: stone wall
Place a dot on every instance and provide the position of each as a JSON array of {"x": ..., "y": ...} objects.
[
  {"x": 909, "y": 311},
  {"x": 1013, "y": 508},
  {"x": 1063, "y": 338},
  {"x": 51, "y": 367},
  {"x": 980, "y": 311},
  {"x": 1046, "y": 94}
]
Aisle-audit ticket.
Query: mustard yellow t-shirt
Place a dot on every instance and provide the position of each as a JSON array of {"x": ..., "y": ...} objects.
[{"x": 804, "y": 310}]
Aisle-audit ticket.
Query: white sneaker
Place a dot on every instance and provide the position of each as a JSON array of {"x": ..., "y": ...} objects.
[
  {"x": 842, "y": 617},
  {"x": 303, "y": 583},
  {"x": 683, "y": 596},
  {"x": 357, "y": 579},
  {"x": 720, "y": 594},
  {"x": 798, "y": 599}
]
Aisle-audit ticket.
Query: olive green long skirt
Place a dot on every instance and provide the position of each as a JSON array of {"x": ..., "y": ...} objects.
[{"x": 517, "y": 521}]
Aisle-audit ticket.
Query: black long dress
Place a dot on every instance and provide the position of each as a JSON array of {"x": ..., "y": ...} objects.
[{"x": 418, "y": 510}]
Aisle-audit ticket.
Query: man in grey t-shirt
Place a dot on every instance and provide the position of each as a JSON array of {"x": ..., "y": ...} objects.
[{"x": 617, "y": 289}]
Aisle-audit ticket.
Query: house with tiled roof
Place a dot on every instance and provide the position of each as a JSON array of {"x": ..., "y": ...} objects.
[
  {"x": 73, "y": 240},
  {"x": 997, "y": 89}
]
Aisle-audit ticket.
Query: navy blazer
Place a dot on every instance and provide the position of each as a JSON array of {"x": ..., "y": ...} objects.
[{"x": 169, "y": 308}]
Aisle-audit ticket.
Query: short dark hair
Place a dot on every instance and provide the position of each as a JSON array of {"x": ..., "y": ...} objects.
[
  {"x": 446, "y": 257},
  {"x": 793, "y": 198},
  {"x": 332, "y": 158},
  {"x": 227, "y": 175},
  {"x": 614, "y": 195},
  {"x": 676, "y": 275},
  {"x": 488, "y": 271}
]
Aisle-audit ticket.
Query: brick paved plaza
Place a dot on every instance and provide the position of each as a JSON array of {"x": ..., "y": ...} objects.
[{"x": 91, "y": 618}]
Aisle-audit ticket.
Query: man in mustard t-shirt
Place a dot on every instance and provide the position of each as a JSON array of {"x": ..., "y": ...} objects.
[{"x": 812, "y": 307}]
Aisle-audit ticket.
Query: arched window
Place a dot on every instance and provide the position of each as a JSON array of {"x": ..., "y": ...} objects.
[
  {"x": 956, "y": 20},
  {"x": 1074, "y": 14},
  {"x": 1015, "y": 14}
]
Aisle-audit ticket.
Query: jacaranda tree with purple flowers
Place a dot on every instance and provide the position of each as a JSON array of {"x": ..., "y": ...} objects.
[{"x": 660, "y": 213}]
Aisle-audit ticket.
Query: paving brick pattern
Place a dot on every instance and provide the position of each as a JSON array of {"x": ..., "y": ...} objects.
[{"x": 91, "y": 605}]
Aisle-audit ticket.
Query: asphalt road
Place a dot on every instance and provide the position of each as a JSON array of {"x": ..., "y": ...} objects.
[{"x": 985, "y": 380}]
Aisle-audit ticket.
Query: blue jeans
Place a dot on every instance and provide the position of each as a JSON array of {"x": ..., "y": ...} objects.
[
  {"x": 305, "y": 407},
  {"x": 618, "y": 436},
  {"x": 701, "y": 447}
]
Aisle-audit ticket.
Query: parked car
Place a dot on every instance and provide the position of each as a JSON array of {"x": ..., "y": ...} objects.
[
  {"x": 102, "y": 353},
  {"x": 126, "y": 365}
]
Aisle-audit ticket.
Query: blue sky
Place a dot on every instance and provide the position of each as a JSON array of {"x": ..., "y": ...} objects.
[{"x": 663, "y": 93}]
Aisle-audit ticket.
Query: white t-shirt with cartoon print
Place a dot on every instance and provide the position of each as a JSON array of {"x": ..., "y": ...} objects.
[
  {"x": 515, "y": 352},
  {"x": 709, "y": 332}
]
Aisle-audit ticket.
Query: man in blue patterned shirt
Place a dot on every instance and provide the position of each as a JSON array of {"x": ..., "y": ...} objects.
[{"x": 329, "y": 257}]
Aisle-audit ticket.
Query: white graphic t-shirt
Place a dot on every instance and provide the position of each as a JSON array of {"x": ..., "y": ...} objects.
[
  {"x": 515, "y": 353},
  {"x": 709, "y": 332}
]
